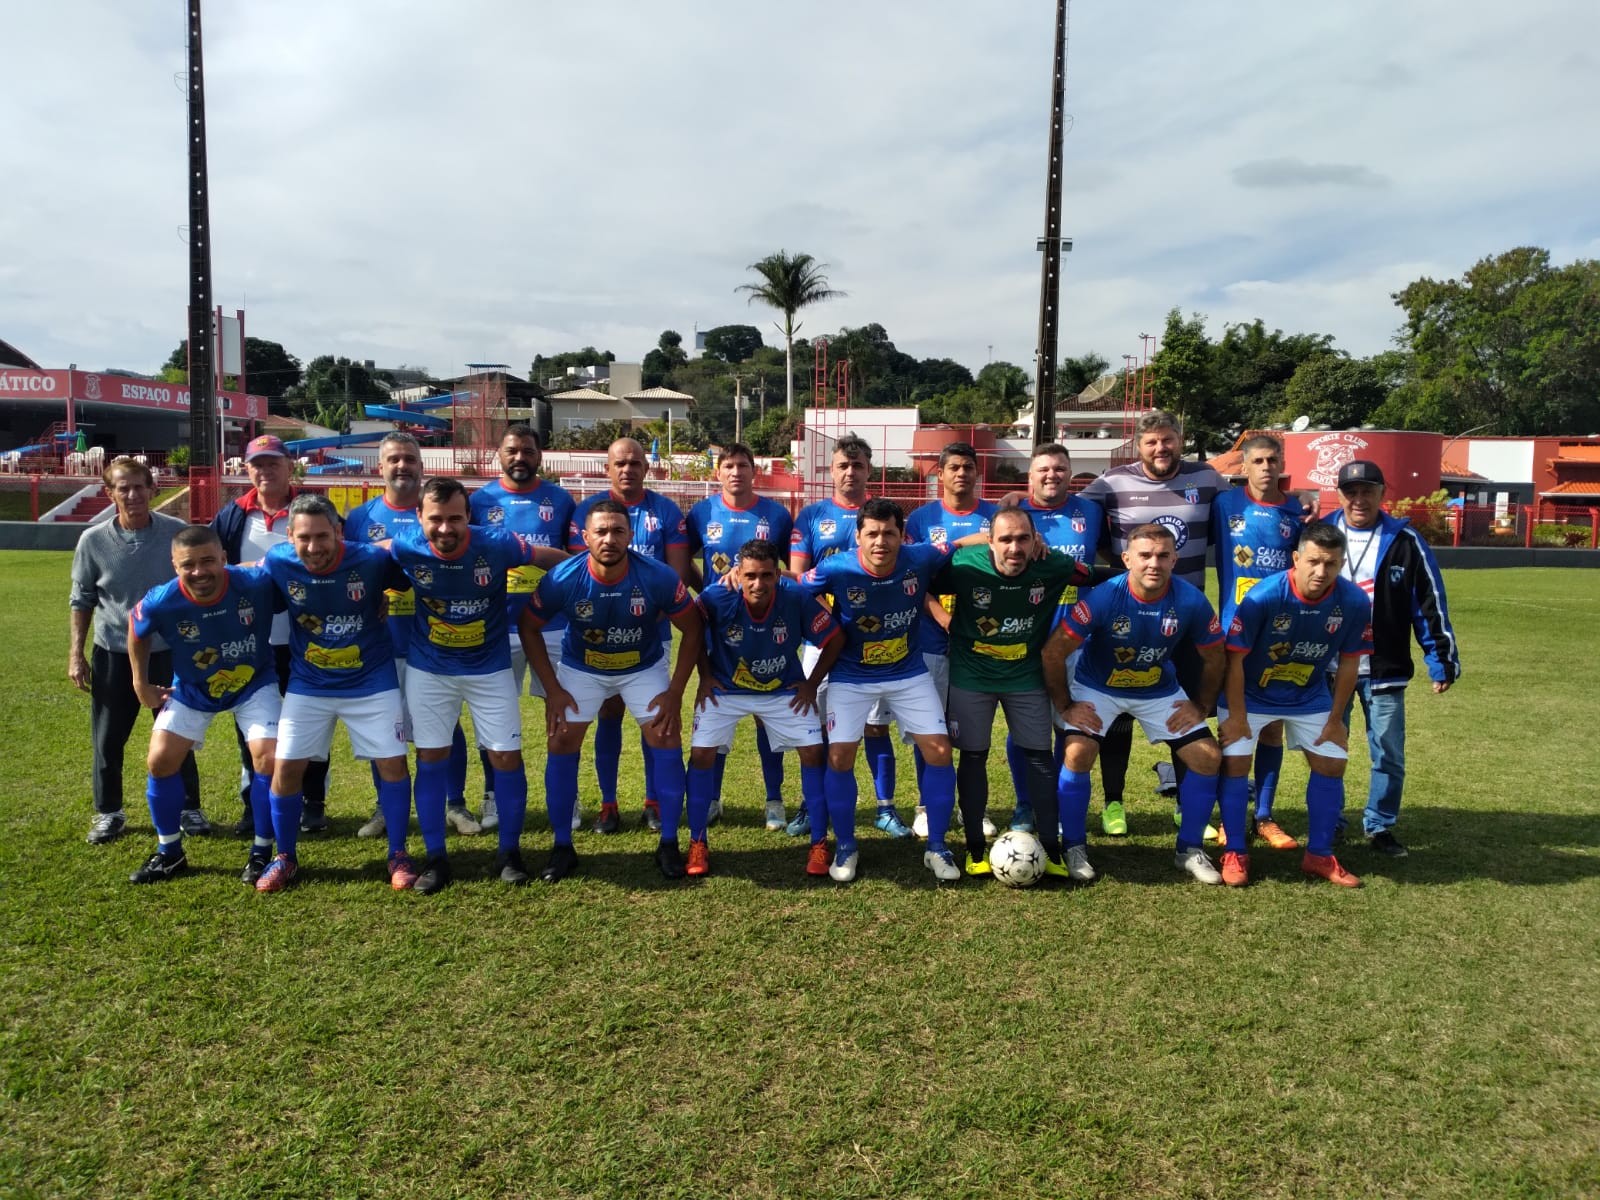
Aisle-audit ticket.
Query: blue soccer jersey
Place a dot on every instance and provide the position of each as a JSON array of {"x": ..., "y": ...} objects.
[
  {"x": 375, "y": 521},
  {"x": 336, "y": 641},
  {"x": 717, "y": 530},
  {"x": 879, "y": 613},
  {"x": 935, "y": 524},
  {"x": 459, "y": 623},
  {"x": 1252, "y": 540},
  {"x": 1072, "y": 527},
  {"x": 822, "y": 530},
  {"x": 1128, "y": 642},
  {"x": 542, "y": 514},
  {"x": 657, "y": 525},
  {"x": 1288, "y": 642},
  {"x": 220, "y": 651},
  {"x": 751, "y": 655},
  {"x": 611, "y": 627}
]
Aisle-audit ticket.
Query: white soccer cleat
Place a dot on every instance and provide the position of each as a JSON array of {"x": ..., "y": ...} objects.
[
  {"x": 577, "y": 818},
  {"x": 943, "y": 865},
  {"x": 491, "y": 813},
  {"x": 843, "y": 869},
  {"x": 919, "y": 822},
  {"x": 376, "y": 827},
  {"x": 1078, "y": 865},
  {"x": 775, "y": 817},
  {"x": 1200, "y": 868},
  {"x": 989, "y": 829}
]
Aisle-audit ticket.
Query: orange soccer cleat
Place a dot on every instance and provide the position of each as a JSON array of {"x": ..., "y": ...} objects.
[
  {"x": 1274, "y": 835},
  {"x": 1326, "y": 866},
  {"x": 818, "y": 861},
  {"x": 699, "y": 859},
  {"x": 1235, "y": 868}
]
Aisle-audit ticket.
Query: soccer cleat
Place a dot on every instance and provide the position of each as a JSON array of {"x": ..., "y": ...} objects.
[
  {"x": 459, "y": 817},
  {"x": 159, "y": 868},
  {"x": 256, "y": 867},
  {"x": 1022, "y": 819},
  {"x": 670, "y": 859},
  {"x": 801, "y": 825},
  {"x": 919, "y": 822},
  {"x": 819, "y": 858},
  {"x": 1194, "y": 861},
  {"x": 843, "y": 869},
  {"x": 989, "y": 827},
  {"x": 375, "y": 827},
  {"x": 979, "y": 866},
  {"x": 775, "y": 816},
  {"x": 435, "y": 875},
  {"x": 1386, "y": 843},
  {"x": 889, "y": 821},
  {"x": 1079, "y": 866},
  {"x": 1114, "y": 820},
  {"x": 1326, "y": 866},
  {"x": 279, "y": 874},
  {"x": 610, "y": 820},
  {"x": 713, "y": 814},
  {"x": 1274, "y": 835},
  {"x": 106, "y": 827},
  {"x": 577, "y": 817},
  {"x": 245, "y": 826},
  {"x": 508, "y": 865},
  {"x": 699, "y": 859},
  {"x": 193, "y": 823},
  {"x": 489, "y": 818},
  {"x": 652, "y": 816},
  {"x": 1235, "y": 868},
  {"x": 1210, "y": 835},
  {"x": 943, "y": 865},
  {"x": 402, "y": 871},
  {"x": 562, "y": 862},
  {"x": 1053, "y": 867},
  {"x": 313, "y": 820}
]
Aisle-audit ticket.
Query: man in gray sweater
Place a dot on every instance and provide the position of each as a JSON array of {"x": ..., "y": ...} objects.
[{"x": 115, "y": 564}]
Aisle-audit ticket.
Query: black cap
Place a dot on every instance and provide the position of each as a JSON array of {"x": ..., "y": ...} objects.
[{"x": 1360, "y": 471}]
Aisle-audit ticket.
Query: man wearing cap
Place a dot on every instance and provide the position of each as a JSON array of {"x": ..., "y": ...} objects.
[
  {"x": 1389, "y": 560},
  {"x": 249, "y": 527}
]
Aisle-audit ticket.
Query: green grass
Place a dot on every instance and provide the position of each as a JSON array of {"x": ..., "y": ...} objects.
[{"x": 761, "y": 1035}]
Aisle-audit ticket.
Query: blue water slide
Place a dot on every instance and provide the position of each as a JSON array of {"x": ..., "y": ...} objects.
[{"x": 410, "y": 416}]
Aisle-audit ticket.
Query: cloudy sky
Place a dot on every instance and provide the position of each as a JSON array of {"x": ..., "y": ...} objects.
[{"x": 434, "y": 183}]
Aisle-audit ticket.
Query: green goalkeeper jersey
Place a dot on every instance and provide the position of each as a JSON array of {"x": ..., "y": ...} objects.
[{"x": 1000, "y": 623}]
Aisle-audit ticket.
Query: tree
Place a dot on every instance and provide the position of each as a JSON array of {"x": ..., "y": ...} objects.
[
  {"x": 788, "y": 284},
  {"x": 544, "y": 369},
  {"x": 970, "y": 406},
  {"x": 659, "y": 364},
  {"x": 1077, "y": 373},
  {"x": 1007, "y": 381},
  {"x": 1180, "y": 376},
  {"x": 773, "y": 433},
  {"x": 598, "y": 436},
  {"x": 335, "y": 381},
  {"x": 733, "y": 343},
  {"x": 1251, "y": 367},
  {"x": 936, "y": 376},
  {"x": 269, "y": 369},
  {"x": 1333, "y": 390}
]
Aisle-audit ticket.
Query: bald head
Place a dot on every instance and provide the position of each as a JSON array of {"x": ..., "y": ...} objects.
[{"x": 626, "y": 466}]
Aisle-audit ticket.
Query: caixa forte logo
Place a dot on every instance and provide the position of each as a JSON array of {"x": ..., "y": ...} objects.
[{"x": 1330, "y": 452}]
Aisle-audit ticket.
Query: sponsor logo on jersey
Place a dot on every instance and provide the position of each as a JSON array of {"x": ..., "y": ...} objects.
[
  {"x": 909, "y": 584},
  {"x": 1279, "y": 650},
  {"x": 207, "y": 658},
  {"x": 869, "y": 624},
  {"x": 1236, "y": 524},
  {"x": 355, "y": 587},
  {"x": 1169, "y": 623},
  {"x": 1296, "y": 673},
  {"x": 982, "y": 597},
  {"x": 331, "y": 658},
  {"x": 601, "y": 661},
  {"x": 496, "y": 515},
  {"x": 780, "y": 633},
  {"x": 1281, "y": 622},
  {"x": 233, "y": 679},
  {"x": 714, "y": 531},
  {"x": 376, "y": 532},
  {"x": 819, "y": 622},
  {"x": 733, "y": 634},
  {"x": 1243, "y": 555},
  {"x": 1215, "y": 628},
  {"x": 1178, "y": 526},
  {"x": 856, "y": 596},
  {"x": 636, "y": 603},
  {"x": 247, "y": 612},
  {"x": 310, "y": 622},
  {"x": 189, "y": 631},
  {"x": 1335, "y": 619},
  {"x": 938, "y": 536},
  {"x": 297, "y": 591},
  {"x": 1131, "y": 677},
  {"x": 1120, "y": 626},
  {"x": 595, "y": 637},
  {"x": 884, "y": 653},
  {"x": 1397, "y": 573},
  {"x": 583, "y": 610},
  {"x": 455, "y": 637},
  {"x": 1082, "y": 615},
  {"x": 720, "y": 563},
  {"x": 1123, "y": 654},
  {"x": 827, "y": 527},
  {"x": 423, "y": 575},
  {"x": 988, "y": 626}
]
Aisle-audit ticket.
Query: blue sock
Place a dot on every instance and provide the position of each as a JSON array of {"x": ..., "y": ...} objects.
[
  {"x": 261, "y": 809},
  {"x": 166, "y": 806},
  {"x": 430, "y": 786},
  {"x": 1324, "y": 806},
  {"x": 668, "y": 772},
  {"x": 702, "y": 786},
  {"x": 813, "y": 794},
  {"x": 1234, "y": 800},
  {"x": 939, "y": 799},
  {"x": 1072, "y": 799},
  {"x": 1197, "y": 797},
  {"x": 488, "y": 777},
  {"x": 840, "y": 789},
  {"x": 456, "y": 781},
  {"x": 511, "y": 802},
  {"x": 649, "y": 769},
  {"x": 394, "y": 801},
  {"x": 771, "y": 767},
  {"x": 561, "y": 794},
  {"x": 1018, "y": 766},
  {"x": 377, "y": 783},
  {"x": 1269, "y": 763},
  {"x": 918, "y": 766},
  {"x": 880, "y": 761},
  {"x": 286, "y": 812},
  {"x": 720, "y": 770},
  {"x": 607, "y": 756}
]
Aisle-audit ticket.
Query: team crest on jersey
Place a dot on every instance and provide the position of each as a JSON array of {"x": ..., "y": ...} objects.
[
  {"x": 1192, "y": 495},
  {"x": 1281, "y": 622},
  {"x": 189, "y": 631},
  {"x": 1121, "y": 626},
  {"x": 1285, "y": 529},
  {"x": 908, "y": 583},
  {"x": 496, "y": 515},
  {"x": 583, "y": 609},
  {"x": 855, "y": 595},
  {"x": 297, "y": 591},
  {"x": 376, "y": 532},
  {"x": 480, "y": 573},
  {"x": 1169, "y": 623},
  {"x": 780, "y": 633},
  {"x": 547, "y": 511},
  {"x": 355, "y": 588},
  {"x": 1036, "y": 593},
  {"x": 763, "y": 530},
  {"x": 1335, "y": 619},
  {"x": 1243, "y": 555},
  {"x": 651, "y": 522},
  {"x": 938, "y": 535},
  {"x": 714, "y": 531},
  {"x": 1123, "y": 654},
  {"x": 636, "y": 603},
  {"x": 247, "y": 613},
  {"x": 1236, "y": 524},
  {"x": 827, "y": 528},
  {"x": 1079, "y": 525},
  {"x": 1396, "y": 574},
  {"x": 423, "y": 575},
  {"x": 733, "y": 634},
  {"x": 982, "y": 597},
  {"x": 720, "y": 563}
]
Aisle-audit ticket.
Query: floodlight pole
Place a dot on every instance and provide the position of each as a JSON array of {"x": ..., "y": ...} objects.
[
  {"x": 203, "y": 433},
  {"x": 1044, "y": 391}
]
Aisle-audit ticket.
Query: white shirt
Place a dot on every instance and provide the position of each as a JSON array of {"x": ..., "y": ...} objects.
[
  {"x": 257, "y": 540},
  {"x": 1361, "y": 567}
]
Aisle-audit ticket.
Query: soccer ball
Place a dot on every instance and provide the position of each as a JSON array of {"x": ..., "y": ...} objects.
[{"x": 1017, "y": 859}]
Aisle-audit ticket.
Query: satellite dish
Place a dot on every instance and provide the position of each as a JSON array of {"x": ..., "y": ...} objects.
[{"x": 1301, "y": 424}]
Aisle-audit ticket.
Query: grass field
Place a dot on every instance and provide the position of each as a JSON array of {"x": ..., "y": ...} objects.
[{"x": 761, "y": 1035}]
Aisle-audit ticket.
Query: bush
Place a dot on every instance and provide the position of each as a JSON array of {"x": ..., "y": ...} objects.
[
  {"x": 178, "y": 458},
  {"x": 1561, "y": 535},
  {"x": 1428, "y": 515}
]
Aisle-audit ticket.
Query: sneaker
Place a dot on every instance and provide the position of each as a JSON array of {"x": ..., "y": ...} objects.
[
  {"x": 1274, "y": 835},
  {"x": 989, "y": 828},
  {"x": 1079, "y": 866},
  {"x": 255, "y": 867},
  {"x": 402, "y": 871},
  {"x": 652, "y": 816},
  {"x": 562, "y": 862},
  {"x": 919, "y": 822},
  {"x": 801, "y": 825},
  {"x": 699, "y": 859},
  {"x": 245, "y": 826},
  {"x": 1385, "y": 842},
  {"x": 979, "y": 866},
  {"x": 1326, "y": 866},
  {"x": 1166, "y": 779},
  {"x": 670, "y": 859},
  {"x": 775, "y": 816},
  {"x": 1056, "y": 867},
  {"x": 577, "y": 817},
  {"x": 106, "y": 827},
  {"x": 508, "y": 865},
  {"x": 193, "y": 823},
  {"x": 943, "y": 865},
  {"x": 313, "y": 820},
  {"x": 459, "y": 817},
  {"x": 1235, "y": 868},
  {"x": 843, "y": 869},
  {"x": 435, "y": 875},
  {"x": 1022, "y": 819},
  {"x": 490, "y": 816},
  {"x": 1210, "y": 834},
  {"x": 610, "y": 820},
  {"x": 1114, "y": 820},
  {"x": 278, "y": 875},
  {"x": 1194, "y": 861},
  {"x": 376, "y": 827},
  {"x": 713, "y": 814},
  {"x": 159, "y": 868},
  {"x": 819, "y": 858},
  {"x": 889, "y": 821}
]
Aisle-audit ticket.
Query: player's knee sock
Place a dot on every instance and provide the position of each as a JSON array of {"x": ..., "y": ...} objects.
[
  {"x": 1269, "y": 764},
  {"x": 286, "y": 812},
  {"x": 488, "y": 778},
  {"x": 377, "y": 785},
  {"x": 607, "y": 756},
  {"x": 840, "y": 789},
  {"x": 938, "y": 794},
  {"x": 261, "y": 811},
  {"x": 1018, "y": 766},
  {"x": 315, "y": 785},
  {"x": 430, "y": 785},
  {"x": 455, "y": 786},
  {"x": 1234, "y": 800},
  {"x": 700, "y": 783},
  {"x": 1041, "y": 785},
  {"x": 1324, "y": 804},
  {"x": 972, "y": 789},
  {"x": 771, "y": 767},
  {"x": 511, "y": 802},
  {"x": 561, "y": 794},
  {"x": 1116, "y": 747},
  {"x": 1197, "y": 797},
  {"x": 394, "y": 802},
  {"x": 190, "y": 774},
  {"x": 718, "y": 771},
  {"x": 668, "y": 774},
  {"x": 649, "y": 770},
  {"x": 880, "y": 761},
  {"x": 1179, "y": 768},
  {"x": 166, "y": 807},
  {"x": 919, "y": 765},
  {"x": 1072, "y": 795},
  {"x": 813, "y": 794}
]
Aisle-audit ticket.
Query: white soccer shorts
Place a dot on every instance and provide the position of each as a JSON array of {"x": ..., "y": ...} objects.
[
  {"x": 939, "y": 671},
  {"x": 434, "y": 702},
  {"x": 376, "y": 725},
  {"x": 256, "y": 717},
  {"x": 1152, "y": 714},
  {"x": 786, "y": 729},
  {"x": 914, "y": 702},
  {"x": 1299, "y": 733},
  {"x": 637, "y": 689},
  {"x": 519, "y": 660}
]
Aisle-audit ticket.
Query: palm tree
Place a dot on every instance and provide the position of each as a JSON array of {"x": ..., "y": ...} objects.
[{"x": 789, "y": 283}]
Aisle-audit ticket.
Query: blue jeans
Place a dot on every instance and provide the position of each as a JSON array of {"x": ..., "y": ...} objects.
[{"x": 1385, "y": 714}]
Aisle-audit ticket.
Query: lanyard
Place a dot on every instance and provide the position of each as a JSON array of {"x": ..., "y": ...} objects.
[{"x": 1353, "y": 569}]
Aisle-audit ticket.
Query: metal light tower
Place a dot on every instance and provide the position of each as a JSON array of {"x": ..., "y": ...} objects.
[
  {"x": 202, "y": 372},
  {"x": 1052, "y": 246}
]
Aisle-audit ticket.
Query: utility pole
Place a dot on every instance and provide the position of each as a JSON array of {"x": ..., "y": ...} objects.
[
  {"x": 738, "y": 408},
  {"x": 203, "y": 498},
  {"x": 1053, "y": 246}
]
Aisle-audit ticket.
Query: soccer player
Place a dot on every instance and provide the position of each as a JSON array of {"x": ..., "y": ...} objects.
[
  {"x": 1130, "y": 629},
  {"x": 540, "y": 511},
  {"x": 1255, "y": 530},
  {"x": 1005, "y": 600},
  {"x": 115, "y": 563},
  {"x": 215, "y": 617},
  {"x": 878, "y": 594},
  {"x": 751, "y": 667},
  {"x": 659, "y": 533},
  {"x": 717, "y": 527},
  {"x": 1284, "y": 635},
  {"x": 460, "y": 654},
  {"x": 615, "y": 599},
  {"x": 956, "y": 513},
  {"x": 341, "y": 668},
  {"x": 1390, "y": 561}
]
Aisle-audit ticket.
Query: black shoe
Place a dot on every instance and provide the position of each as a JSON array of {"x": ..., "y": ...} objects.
[
  {"x": 1386, "y": 843},
  {"x": 509, "y": 866},
  {"x": 159, "y": 868},
  {"x": 435, "y": 874},
  {"x": 562, "y": 862},
  {"x": 610, "y": 820},
  {"x": 245, "y": 826},
  {"x": 313, "y": 820},
  {"x": 670, "y": 859},
  {"x": 258, "y": 863}
]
